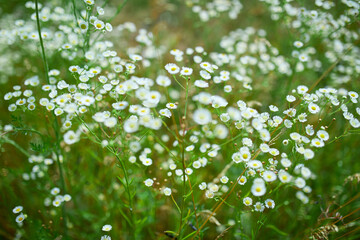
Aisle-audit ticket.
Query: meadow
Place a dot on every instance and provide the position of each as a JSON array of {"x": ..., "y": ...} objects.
[{"x": 179, "y": 119}]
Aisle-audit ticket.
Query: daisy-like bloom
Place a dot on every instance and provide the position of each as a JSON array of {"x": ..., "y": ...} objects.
[
  {"x": 264, "y": 147},
  {"x": 186, "y": 71},
  {"x": 17, "y": 209},
  {"x": 284, "y": 176},
  {"x": 171, "y": 106},
  {"x": 274, "y": 151},
  {"x": 242, "y": 180},
  {"x": 300, "y": 182},
  {"x": 205, "y": 75},
  {"x": 302, "y": 89},
  {"x": 308, "y": 154},
  {"x": 290, "y": 98},
  {"x": 258, "y": 188},
  {"x": 264, "y": 135},
  {"x": 99, "y": 24},
  {"x": 224, "y": 117},
  {"x": 105, "y": 237},
  {"x": 259, "y": 207},
  {"x": 273, "y": 108},
  {"x": 298, "y": 44},
  {"x": 269, "y": 203},
  {"x": 167, "y": 191},
  {"x": 131, "y": 126},
  {"x": 135, "y": 57},
  {"x": 172, "y": 68},
  {"x": 302, "y": 117},
  {"x": 227, "y": 88},
  {"x": 355, "y": 123},
  {"x": 317, "y": 143},
  {"x": 209, "y": 194},
  {"x": 56, "y": 202},
  {"x": 165, "y": 112},
  {"x": 55, "y": 191},
  {"x": 83, "y": 25},
  {"x": 149, "y": 182},
  {"x": 67, "y": 197},
  {"x": 236, "y": 157},
  {"x": 221, "y": 131},
  {"x": 163, "y": 81},
  {"x": 302, "y": 197},
  {"x": 269, "y": 176},
  {"x": 176, "y": 52},
  {"x": 303, "y": 57},
  {"x": 224, "y": 179},
  {"x": 245, "y": 154},
  {"x": 207, "y": 66},
  {"x": 201, "y": 84},
  {"x": 70, "y": 137},
  {"x": 309, "y": 130},
  {"x": 323, "y": 135},
  {"x": 313, "y": 108},
  {"x": 106, "y": 228},
  {"x": 110, "y": 122},
  {"x": 247, "y": 201},
  {"x": 202, "y": 116},
  {"x": 89, "y": 2},
  {"x": 254, "y": 164},
  {"x": 130, "y": 67},
  {"x": 202, "y": 186},
  {"x": 20, "y": 218},
  {"x": 147, "y": 161}
]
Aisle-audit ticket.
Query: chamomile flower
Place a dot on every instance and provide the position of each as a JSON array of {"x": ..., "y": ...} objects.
[
  {"x": 316, "y": 142},
  {"x": 258, "y": 188},
  {"x": 17, "y": 209},
  {"x": 224, "y": 179},
  {"x": 298, "y": 44},
  {"x": 269, "y": 176},
  {"x": 167, "y": 191},
  {"x": 185, "y": 71},
  {"x": 20, "y": 218},
  {"x": 313, "y": 108},
  {"x": 98, "y": 24},
  {"x": 202, "y": 116},
  {"x": 106, "y": 228},
  {"x": 172, "y": 68},
  {"x": 149, "y": 182},
  {"x": 242, "y": 180},
  {"x": 323, "y": 135},
  {"x": 55, "y": 191},
  {"x": 202, "y": 186},
  {"x": 171, "y": 106},
  {"x": 269, "y": 203},
  {"x": 247, "y": 201},
  {"x": 284, "y": 176},
  {"x": 165, "y": 112},
  {"x": 259, "y": 207}
]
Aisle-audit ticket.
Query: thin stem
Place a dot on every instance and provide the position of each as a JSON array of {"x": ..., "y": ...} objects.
[
  {"x": 17, "y": 146},
  {"x": 118, "y": 10},
  {"x": 56, "y": 124},
  {"x": 42, "y": 43}
]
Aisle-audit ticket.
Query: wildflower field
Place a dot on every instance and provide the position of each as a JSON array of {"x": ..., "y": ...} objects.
[{"x": 179, "y": 119}]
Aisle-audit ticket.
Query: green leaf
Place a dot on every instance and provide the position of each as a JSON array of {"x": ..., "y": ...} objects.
[{"x": 276, "y": 230}]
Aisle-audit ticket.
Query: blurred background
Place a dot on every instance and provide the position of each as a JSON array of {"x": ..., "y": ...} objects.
[{"x": 175, "y": 25}]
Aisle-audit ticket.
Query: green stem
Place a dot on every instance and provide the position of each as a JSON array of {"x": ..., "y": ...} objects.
[
  {"x": 118, "y": 10},
  {"x": 17, "y": 146},
  {"x": 56, "y": 124},
  {"x": 123, "y": 167},
  {"x": 42, "y": 43}
]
